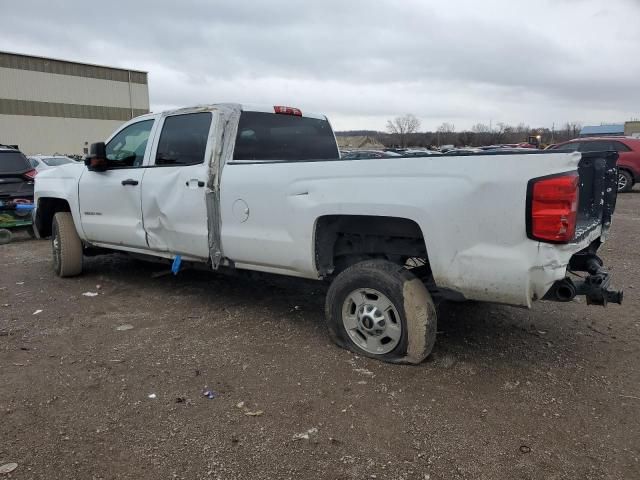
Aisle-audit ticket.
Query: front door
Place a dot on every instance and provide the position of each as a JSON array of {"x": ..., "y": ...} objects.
[
  {"x": 110, "y": 201},
  {"x": 175, "y": 184}
]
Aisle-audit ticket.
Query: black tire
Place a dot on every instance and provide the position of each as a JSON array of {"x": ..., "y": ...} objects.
[
  {"x": 31, "y": 232},
  {"x": 66, "y": 246},
  {"x": 409, "y": 297},
  {"x": 5, "y": 236},
  {"x": 625, "y": 181}
]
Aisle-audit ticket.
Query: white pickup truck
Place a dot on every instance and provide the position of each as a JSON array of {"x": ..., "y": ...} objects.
[{"x": 229, "y": 186}]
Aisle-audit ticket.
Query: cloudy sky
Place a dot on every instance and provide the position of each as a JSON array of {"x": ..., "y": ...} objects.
[{"x": 360, "y": 62}]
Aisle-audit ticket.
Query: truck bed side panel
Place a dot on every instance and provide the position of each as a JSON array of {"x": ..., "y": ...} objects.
[{"x": 471, "y": 210}]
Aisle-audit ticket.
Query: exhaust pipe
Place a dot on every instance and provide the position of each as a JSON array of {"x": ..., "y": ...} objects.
[
  {"x": 565, "y": 290},
  {"x": 594, "y": 287}
]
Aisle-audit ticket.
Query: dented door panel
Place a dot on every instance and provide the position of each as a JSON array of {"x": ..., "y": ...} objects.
[{"x": 174, "y": 189}]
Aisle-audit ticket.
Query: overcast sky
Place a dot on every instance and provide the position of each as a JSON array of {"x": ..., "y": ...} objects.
[{"x": 360, "y": 62}]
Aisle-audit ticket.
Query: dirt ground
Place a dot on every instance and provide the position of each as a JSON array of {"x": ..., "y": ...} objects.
[{"x": 550, "y": 393}]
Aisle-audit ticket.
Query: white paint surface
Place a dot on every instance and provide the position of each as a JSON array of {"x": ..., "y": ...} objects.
[{"x": 470, "y": 209}]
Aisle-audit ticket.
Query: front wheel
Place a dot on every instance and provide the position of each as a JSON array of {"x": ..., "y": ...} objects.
[
  {"x": 625, "y": 181},
  {"x": 66, "y": 246},
  {"x": 379, "y": 309}
]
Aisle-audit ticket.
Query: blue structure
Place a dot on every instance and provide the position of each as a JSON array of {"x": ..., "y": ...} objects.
[{"x": 602, "y": 130}]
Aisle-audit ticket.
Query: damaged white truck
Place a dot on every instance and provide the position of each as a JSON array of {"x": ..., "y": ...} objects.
[{"x": 236, "y": 187}]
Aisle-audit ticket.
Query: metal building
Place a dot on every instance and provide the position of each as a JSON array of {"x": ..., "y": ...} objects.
[
  {"x": 632, "y": 128},
  {"x": 602, "y": 130},
  {"x": 56, "y": 106}
]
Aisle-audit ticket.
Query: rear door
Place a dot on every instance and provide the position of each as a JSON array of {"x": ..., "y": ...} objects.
[
  {"x": 174, "y": 187},
  {"x": 16, "y": 175},
  {"x": 110, "y": 205}
]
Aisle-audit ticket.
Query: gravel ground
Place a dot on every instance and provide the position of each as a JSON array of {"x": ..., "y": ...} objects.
[{"x": 550, "y": 393}]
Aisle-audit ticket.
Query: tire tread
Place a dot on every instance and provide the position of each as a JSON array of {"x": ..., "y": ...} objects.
[{"x": 70, "y": 245}]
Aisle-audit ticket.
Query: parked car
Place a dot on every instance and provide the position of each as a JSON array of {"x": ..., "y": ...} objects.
[
  {"x": 357, "y": 154},
  {"x": 628, "y": 149},
  {"x": 397, "y": 150},
  {"x": 389, "y": 234},
  {"x": 417, "y": 153},
  {"x": 16, "y": 192},
  {"x": 462, "y": 151},
  {"x": 43, "y": 162},
  {"x": 16, "y": 175},
  {"x": 509, "y": 150}
]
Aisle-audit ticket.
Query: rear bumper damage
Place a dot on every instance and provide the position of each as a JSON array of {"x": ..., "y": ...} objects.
[
  {"x": 594, "y": 285},
  {"x": 598, "y": 192}
]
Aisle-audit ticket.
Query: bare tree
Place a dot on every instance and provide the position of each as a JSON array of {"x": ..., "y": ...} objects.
[
  {"x": 573, "y": 129},
  {"x": 402, "y": 127},
  {"x": 446, "y": 133},
  {"x": 466, "y": 137},
  {"x": 482, "y": 134}
]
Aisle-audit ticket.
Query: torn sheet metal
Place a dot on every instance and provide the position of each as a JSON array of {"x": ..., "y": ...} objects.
[
  {"x": 183, "y": 220},
  {"x": 224, "y": 136}
]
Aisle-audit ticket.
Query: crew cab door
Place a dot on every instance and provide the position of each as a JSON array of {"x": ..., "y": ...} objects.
[
  {"x": 173, "y": 191},
  {"x": 110, "y": 203}
]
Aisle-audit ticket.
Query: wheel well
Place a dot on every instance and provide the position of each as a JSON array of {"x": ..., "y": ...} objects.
[
  {"x": 47, "y": 208},
  {"x": 633, "y": 177},
  {"x": 342, "y": 240}
]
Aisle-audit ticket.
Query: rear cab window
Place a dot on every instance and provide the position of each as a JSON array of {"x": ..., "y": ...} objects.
[{"x": 287, "y": 138}]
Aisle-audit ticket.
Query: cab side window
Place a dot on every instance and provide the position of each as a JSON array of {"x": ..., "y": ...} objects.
[
  {"x": 127, "y": 148},
  {"x": 183, "y": 140}
]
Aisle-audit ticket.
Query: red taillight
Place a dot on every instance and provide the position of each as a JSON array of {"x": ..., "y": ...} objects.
[
  {"x": 287, "y": 110},
  {"x": 553, "y": 208},
  {"x": 30, "y": 175}
]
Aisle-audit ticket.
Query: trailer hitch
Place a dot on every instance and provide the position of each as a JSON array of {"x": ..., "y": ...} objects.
[{"x": 595, "y": 286}]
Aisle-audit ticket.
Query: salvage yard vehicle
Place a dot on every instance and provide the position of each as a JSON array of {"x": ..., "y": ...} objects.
[
  {"x": 237, "y": 187},
  {"x": 44, "y": 162},
  {"x": 16, "y": 174},
  {"x": 358, "y": 154},
  {"x": 628, "y": 149},
  {"x": 16, "y": 192}
]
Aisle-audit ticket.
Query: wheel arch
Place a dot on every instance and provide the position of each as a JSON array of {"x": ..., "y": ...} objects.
[
  {"x": 364, "y": 236},
  {"x": 46, "y": 209}
]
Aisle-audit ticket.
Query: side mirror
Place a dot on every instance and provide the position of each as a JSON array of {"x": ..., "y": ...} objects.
[{"x": 96, "y": 161}]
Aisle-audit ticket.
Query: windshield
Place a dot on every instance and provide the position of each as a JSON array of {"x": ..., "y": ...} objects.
[
  {"x": 13, "y": 162},
  {"x": 270, "y": 136},
  {"x": 56, "y": 161}
]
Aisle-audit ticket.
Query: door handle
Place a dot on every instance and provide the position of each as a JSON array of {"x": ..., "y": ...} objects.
[
  {"x": 200, "y": 183},
  {"x": 130, "y": 181}
]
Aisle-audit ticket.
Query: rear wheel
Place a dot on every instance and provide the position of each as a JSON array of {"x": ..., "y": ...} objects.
[
  {"x": 379, "y": 309},
  {"x": 5, "y": 236},
  {"x": 66, "y": 246},
  {"x": 625, "y": 181}
]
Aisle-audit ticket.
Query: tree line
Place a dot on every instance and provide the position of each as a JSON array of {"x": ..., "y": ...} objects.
[{"x": 404, "y": 132}]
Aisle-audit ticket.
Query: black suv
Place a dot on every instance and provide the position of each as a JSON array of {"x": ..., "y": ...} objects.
[{"x": 16, "y": 175}]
